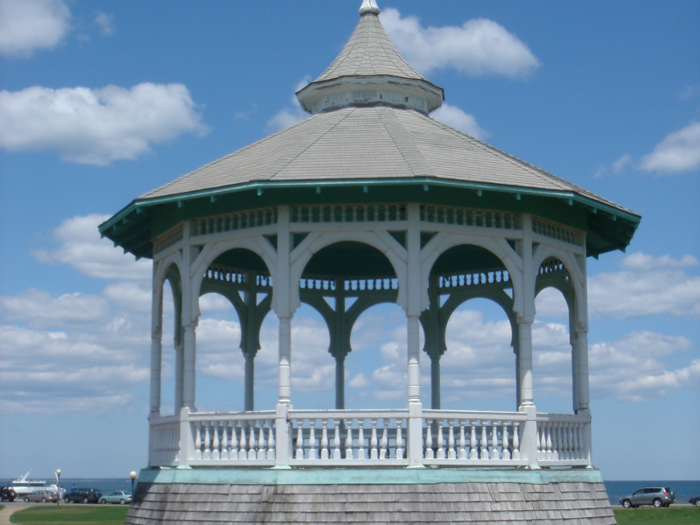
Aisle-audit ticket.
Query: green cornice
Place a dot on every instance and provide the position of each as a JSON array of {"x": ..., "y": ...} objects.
[{"x": 141, "y": 212}]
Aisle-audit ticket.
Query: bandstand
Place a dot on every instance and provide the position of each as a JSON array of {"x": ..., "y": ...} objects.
[{"x": 369, "y": 201}]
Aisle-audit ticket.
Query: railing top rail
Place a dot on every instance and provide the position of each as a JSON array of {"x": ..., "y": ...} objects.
[
  {"x": 232, "y": 416},
  {"x": 564, "y": 418},
  {"x": 348, "y": 414},
  {"x": 473, "y": 414},
  {"x": 161, "y": 420}
]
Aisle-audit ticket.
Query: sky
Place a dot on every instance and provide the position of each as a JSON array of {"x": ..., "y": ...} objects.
[{"x": 102, "y": 101}]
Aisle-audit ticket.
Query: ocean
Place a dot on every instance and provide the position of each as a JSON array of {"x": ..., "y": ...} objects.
[{"x": 616, "y": 489}]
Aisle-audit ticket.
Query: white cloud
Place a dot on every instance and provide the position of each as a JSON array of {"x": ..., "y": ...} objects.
[
  {"x": 37, "y": 308},
  {"x": 633, "y": 368},
  {"x": 458, "y": 119},
  {"x": 105, "y": 22},
  {"x": 289, "y": 116},
  {"x": 641, "y": 262},
  {"x": 80, "y": 245},
  {"x": 678, "y": 152},
  {"x": 96, "y": 126},
  {"x": 478, "y": 47},
  {"x": 648, "y": 286},
  {"x": 27, "y": 25}
]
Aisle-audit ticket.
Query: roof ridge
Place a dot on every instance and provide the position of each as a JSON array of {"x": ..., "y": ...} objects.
[
  {"x": 413, "y": 151},
  {"x": 537, "y": 171},
  {"x": 312, "y": 143}
]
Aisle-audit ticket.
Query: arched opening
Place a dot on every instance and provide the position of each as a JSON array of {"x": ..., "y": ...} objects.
[
  {"x": 479, "y": 366},
  {"x": 234, "y": 298},
  {"x": 341, "y": 281},
  {"x": 480, "y": 361},
  {"x": 169, "y": 318},
  {"x": 551, "y": 337}
]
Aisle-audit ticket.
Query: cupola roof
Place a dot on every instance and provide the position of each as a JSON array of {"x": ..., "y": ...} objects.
[{"x": 369, "y": 72}]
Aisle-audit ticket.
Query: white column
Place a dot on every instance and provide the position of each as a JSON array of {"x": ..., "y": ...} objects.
[
  {"x": 415, "y": 409},
  {"x": 528, "y": 445},
  {"x": 156, "y": 364},
  {"x": 190, "y": 353},
  {"x": 282, "y": 305}
]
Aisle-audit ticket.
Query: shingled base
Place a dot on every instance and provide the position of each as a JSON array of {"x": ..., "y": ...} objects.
[{"x": 472, "y": 502}]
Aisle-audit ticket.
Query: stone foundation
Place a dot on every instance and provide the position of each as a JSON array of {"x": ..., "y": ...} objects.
[{"x": 526, "y": 502}]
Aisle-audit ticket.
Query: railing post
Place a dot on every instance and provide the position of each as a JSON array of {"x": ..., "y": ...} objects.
[
  {"x": 282, "y": 435},
  {"x": 186, "y": 441},
  {"x": 528, "y": 441}
]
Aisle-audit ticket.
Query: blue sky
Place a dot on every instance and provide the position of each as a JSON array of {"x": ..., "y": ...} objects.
[{"x": 102, "y": 101}]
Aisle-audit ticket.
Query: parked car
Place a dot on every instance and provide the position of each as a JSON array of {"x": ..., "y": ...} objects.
[
  {"x": 44, "y": 496},
  {"x": 695, "y": 500},
  {"x": 116, "y": 497},
  {"x": 83, "y": 496},
  {"x": 7, "y": 494},
  {"x": 657, "y": 496}
]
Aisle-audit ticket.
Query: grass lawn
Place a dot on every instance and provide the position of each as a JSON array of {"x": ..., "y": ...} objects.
[
  {"x": 49, "y": 515},
  {"x": 670, "y": 516}
]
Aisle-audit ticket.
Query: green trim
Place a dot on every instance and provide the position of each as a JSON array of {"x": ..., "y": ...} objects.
[
  {"x": 367, "y": 476},
  {"x": 421, "y": 181}
]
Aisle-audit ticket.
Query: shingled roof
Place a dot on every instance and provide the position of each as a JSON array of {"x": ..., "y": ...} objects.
[
  {"x": 369, "y": 143},
  {"x": 369, "y": 52}
]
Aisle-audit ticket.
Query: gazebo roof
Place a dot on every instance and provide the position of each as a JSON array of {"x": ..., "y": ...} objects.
[{"x": 370, "y": 128}]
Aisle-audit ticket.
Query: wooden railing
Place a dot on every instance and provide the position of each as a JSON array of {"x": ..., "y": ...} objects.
[{"x": 337, "y": 438}]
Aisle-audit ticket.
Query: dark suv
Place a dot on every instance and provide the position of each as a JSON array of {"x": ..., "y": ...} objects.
[
  {"x": 83, "y": 496},
  {"x": 657, "y": 496},
  {"x": 7, "y": 494}
]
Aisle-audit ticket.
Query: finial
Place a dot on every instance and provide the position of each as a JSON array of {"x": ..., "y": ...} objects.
[{"x": 369, "y": 6}]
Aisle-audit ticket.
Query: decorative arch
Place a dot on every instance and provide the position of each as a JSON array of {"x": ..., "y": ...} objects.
[
  {"x": 499, "y": 247},
  {"x": 314, "y": 242},
  {"x": 578, "y": 279},
  {"x": 160, "y": 271},
  {"x": 258, "y": 245}
]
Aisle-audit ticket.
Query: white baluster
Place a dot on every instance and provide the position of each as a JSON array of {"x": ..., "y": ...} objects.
[
  {"x": 216, "y": 452},
  {"x": 336, "y": 439},
  {"x": 429, "y": 454},
  {"x": 373, "y": 443},
  {"x": 313, "y": 453},
  {"x": 361, "y": 440},
  {"x": 243, "y": 443},
  {"x": 207, "y": 449},
  {"x": 504, "y": 443},
  {"x": 384, "y": 443},
  {"x": 516, "y": 439},
  {"x": 271, "y": 450},
  {"x": 225, "y": 449},
  {"x": 399, "y": 439},
  {"x": 574, "y": 434},
  {"x": 472, "y": 441},
  {"x": 251, "y": 442},
  {"x": 494, "y": 441},
  {"x": 484, "y": 442},
  {"x": 451, "y": 453},
  {"x": 324, "y": 439},
  {"x": 300, "y": 440},
  {"x": 556, "y": 440},
  {"x": 261, "y": 441},
  {"x": 348, "y": 439},
  {"x": 440, "y": 441},
  {"x": 462, "y": 440},
  {"x": 198, "y": 441},
  {"x": 549, "y": 441},
  {"x": 541, "y": 441},
  {"x": 565, "y": 442},
  {"x": 234, "y": 441}
]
